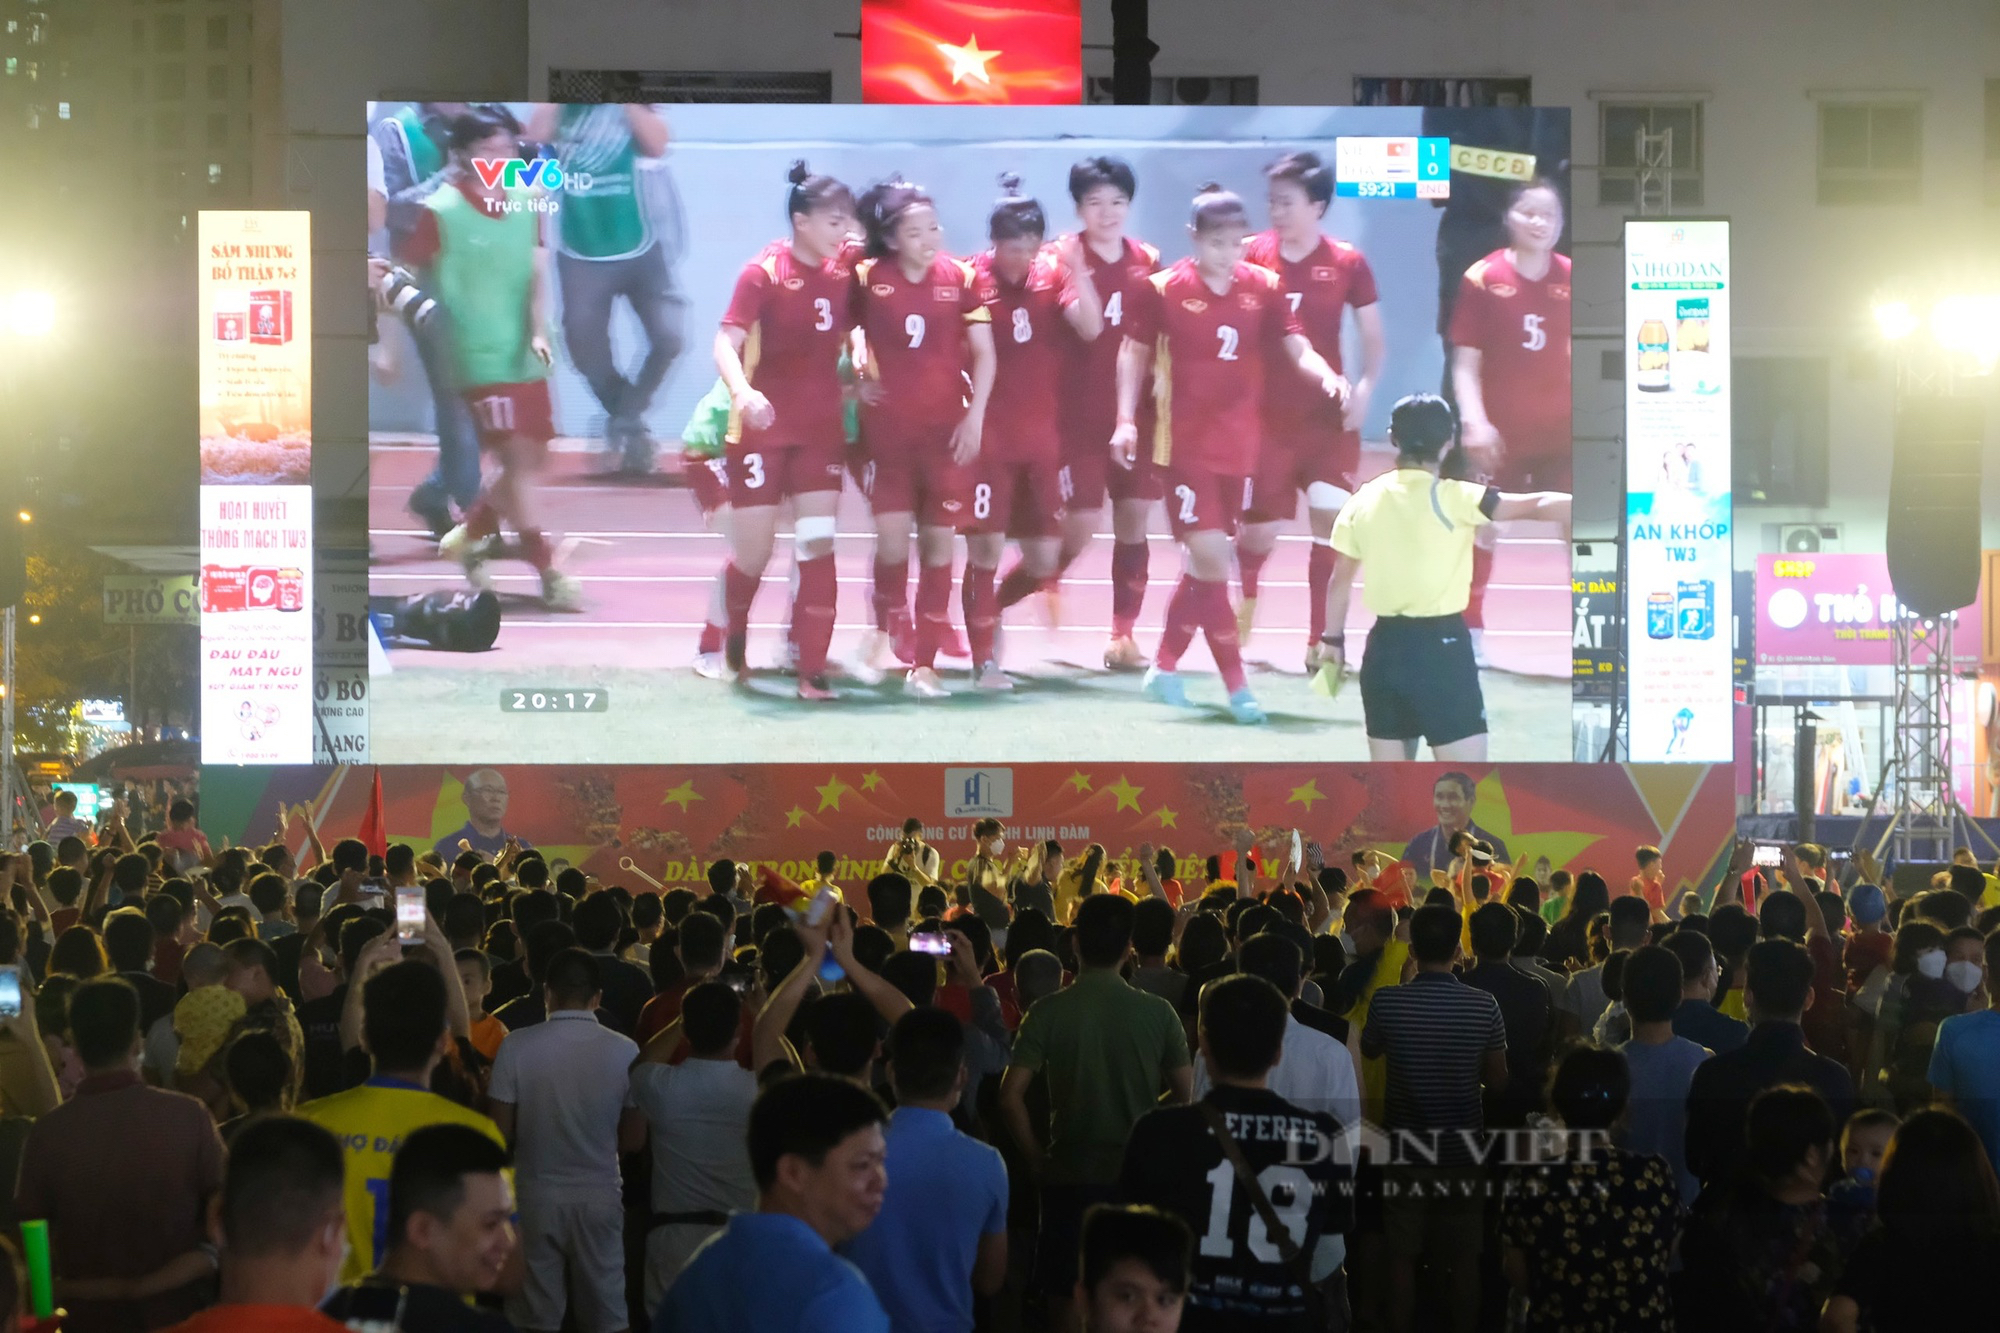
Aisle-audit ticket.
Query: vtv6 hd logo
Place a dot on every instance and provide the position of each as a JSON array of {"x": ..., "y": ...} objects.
[{"x": 517, "y": 173}]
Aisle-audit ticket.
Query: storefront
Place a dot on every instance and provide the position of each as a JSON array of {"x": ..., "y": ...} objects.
[{"x": 1825, "y": 689}]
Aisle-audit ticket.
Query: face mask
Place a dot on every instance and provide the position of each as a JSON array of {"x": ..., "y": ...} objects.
[
  {"x": 1930, "y": 963},
  {"x": 1963, "y": 975},
  {"x": 997, "y": 846}
]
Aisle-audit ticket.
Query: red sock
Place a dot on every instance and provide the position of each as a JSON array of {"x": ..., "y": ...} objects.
[
  {"x": 892, "y": 593},
  {"x": 482, "y": 520},
  {"x": 1249, "y": 564},
  {"x": 982, "y": 613},
  {"x": 1183, "y": 619},
  {"x": 933, "y": 612},
  {"x": 1016, "y": 586},
  {"x": 535, "y": 550},
  {"x": 1130, "y": 562},
  {"x": 711, "y": 638},
  {"x": 1482, "y": 571},
  {"x": 1319, "y": 574},
  {"x": 1218, "y": 622},
  {"x": 812, "y": 614},
  {"x": 739, "y": 590}
]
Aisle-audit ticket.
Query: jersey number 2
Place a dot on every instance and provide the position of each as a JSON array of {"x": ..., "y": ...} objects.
[
  {"x": 1534, "y": 336},
  {"x": 1228, "y": 336},
  {"x": 1278, "y": 1182}
]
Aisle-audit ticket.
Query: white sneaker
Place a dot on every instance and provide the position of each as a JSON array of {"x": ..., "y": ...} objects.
[
  {"x": 923, "y": 683},
  {"x": 560, "y": 591},
  {"x": 991, "y": 677},
  {"x": 470, "y": 552},
  {"x": 710, "y": 666},
  {"x": 874, "y": 659}
]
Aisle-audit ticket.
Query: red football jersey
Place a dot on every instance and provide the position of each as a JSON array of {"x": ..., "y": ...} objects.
[
  {"x": 1521, "y": 329},
  {"x": 1028, "y": 324},
  {"x": 1090, "y": 381},
  {"x": 1319, "y": 288},
  {"x": 917, "y": 345},
  {"x": 796, "y": 318},
  {"x": 1209, "y": 357}
]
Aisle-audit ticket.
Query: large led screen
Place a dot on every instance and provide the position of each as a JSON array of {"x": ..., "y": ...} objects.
[{"x": 979, "y": 434}]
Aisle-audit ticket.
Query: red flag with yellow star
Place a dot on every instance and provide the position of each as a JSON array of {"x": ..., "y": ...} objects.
[{"x": 1026, "y": 52}]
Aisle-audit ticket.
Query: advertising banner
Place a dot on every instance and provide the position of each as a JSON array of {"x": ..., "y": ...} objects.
[
  {"x": 254, "y": 311},
  {"x": 1679, "y": 585},
  {"x": 1839, "y": 610},
  {"x": 671, "y": 823},
  {"x": 152, "y": 599},
  {"x": 1596, "y": 628},
  {"x": 1028, "y": 52}
]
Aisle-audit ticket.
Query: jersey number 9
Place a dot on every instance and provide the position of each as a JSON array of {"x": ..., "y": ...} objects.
[{"x": 913, "y": 325}]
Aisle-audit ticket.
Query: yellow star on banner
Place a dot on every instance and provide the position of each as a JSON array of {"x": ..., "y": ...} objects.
[
  {"x": 795, "y": 816},
  {"x": 1079, "y": 781},
  {"x": 1306, "y": 795},
  {"x": 870, "y": 781},
  {"x": 968, "y": 61},
  {"x": 682, "y": 796},
  {"x": 1127, "y": 795},
  {"x": 1166, "y": 817},
  {"x": 830, "y": 794},
  {"x": 1492, "y": 812}
]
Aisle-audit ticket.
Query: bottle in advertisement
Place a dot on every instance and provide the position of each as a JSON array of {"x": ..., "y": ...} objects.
[
  {"x": 1694, "y": 609},
  {"x": 1653, "y": 368},
  {"x": 1659, "y": 615},
  {"x": 291, "y": 589},
  {"x": 1693, "y": 368}
]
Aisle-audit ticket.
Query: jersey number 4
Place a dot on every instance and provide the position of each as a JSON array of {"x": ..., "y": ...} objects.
[
  {"x": 1287, "y": 1187},
  {"x": 1114, "y": 310},
  {"x": 1533, "y": 336}
]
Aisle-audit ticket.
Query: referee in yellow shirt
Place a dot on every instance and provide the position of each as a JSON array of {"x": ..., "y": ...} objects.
[{"x": 1413, "y": 531}]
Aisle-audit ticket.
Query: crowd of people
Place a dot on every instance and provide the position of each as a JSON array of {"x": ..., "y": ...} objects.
[{"x": 247, "y": 1093}]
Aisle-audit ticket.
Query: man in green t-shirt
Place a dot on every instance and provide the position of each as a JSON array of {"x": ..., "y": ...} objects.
[
  {"x": 479, "y": 248},
  {"x": 608, "y": 243},
  {"x": 1105, "y": 1052}
]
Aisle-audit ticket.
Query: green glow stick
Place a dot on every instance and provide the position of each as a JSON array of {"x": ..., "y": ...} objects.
[{"x": 41, "y": 1287}]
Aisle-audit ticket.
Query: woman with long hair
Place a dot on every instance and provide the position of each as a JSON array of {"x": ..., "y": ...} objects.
[
  {"x": 1217, "y": 322},
  {"x": 1569, "y": 938},
  {"x": 1311, "y": 445},
  {"x": 778, "y": 351},
  {"x": 1033, "y": 291},
  {"x": 1928, "y": 1264},
  {"x": 921, "y": 330}
]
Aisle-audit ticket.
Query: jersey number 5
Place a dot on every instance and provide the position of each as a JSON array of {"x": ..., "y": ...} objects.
[
  {"x": 1290, "y": 1192},
  {"x": 1229, "y": 337},
  {"x": 1534, "y": 338}
]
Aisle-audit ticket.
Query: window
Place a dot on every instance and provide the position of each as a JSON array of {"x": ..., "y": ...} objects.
[
  {"x": 218, "y": 130},
  {"x": 1870, "y": 152},
  {"x": 13, "y": 66},
  {"x": 625, "y": 85},
  {"x": 1191, "y": 90},
  {"x": 62, "y": 110},
  {"x": 218, "y": 34},
  {"x": 170, "y": 32},
  {"x": 1619, "y": 126},
  {"x": 214, "y": 174},
  {"x": 170, "y": 81},
  {"x": 1779, "y": 422},
  {"x": 218, "y": 81},
  {"x": 1376, "y": 90}
]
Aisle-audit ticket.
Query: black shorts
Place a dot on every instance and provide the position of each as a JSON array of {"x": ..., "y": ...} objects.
[{"x": 1419, "y": 682}]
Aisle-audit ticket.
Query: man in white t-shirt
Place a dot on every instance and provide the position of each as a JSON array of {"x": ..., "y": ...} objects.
[
  {"x": 561, "y": 1095},
  {"x": 697, "y": 1110},
  {"x": 1314, "y": 1071}
]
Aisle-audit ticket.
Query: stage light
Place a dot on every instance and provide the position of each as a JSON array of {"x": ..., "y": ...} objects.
[
  {"x": 1969, "y": 324},
  {"x": 34, "y": 620},
  {"x": 25, "y": 516},
  {"x": 29, "y": 314},
  {"x": 1895, "y": 319}
]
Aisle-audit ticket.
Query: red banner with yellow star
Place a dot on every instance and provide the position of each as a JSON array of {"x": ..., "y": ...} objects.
[
  {"x": 671, "y": 823},
  {"x": 1025, "y": 52}
]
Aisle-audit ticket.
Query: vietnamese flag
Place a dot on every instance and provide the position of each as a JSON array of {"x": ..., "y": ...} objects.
[
  {"x": 1025, "y": 52},
  {"x": 374, "y": 828}
]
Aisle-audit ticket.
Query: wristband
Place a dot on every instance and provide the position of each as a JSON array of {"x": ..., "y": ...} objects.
[{"x": 1334, "y": 640}]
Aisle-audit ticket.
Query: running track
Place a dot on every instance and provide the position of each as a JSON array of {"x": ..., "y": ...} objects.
[{"x": 647, "y": 562}]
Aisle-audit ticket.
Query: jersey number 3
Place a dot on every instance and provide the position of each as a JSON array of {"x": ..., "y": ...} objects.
[
  {"x": 1287, "y": 1187},
  {"x": 1534, "y": 337},
  {"x": 822, "y": 314}
]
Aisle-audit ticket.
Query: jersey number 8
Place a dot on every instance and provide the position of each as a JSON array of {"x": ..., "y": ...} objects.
[
  {"x": 982, "y": 501},
  {"x": 1022, "y": 329}
]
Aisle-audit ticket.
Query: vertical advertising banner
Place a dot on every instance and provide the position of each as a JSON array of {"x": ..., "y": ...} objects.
[
  {"x": 1679, "y": 572},
  {"x": 254, "y": 312},
  {"x": 1029, "y": 52}
]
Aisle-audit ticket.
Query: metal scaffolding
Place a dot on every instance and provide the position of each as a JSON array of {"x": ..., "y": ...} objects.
[{"x": 1926, "y": 822}]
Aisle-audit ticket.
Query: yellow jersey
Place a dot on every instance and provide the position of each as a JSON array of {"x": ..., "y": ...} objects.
[
  {"x": 1375, "y": 1073},
  {"x": 371, "y": 1122},
  {"x": 1412, "y": 532}
]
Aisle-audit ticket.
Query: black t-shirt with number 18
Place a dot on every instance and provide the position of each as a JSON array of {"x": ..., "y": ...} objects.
[{"x": 1174, "y": 1162}]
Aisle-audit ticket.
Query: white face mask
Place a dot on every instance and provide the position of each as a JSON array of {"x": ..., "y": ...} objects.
[
  {"x": 995, "y": 847},
  {"x": 1964, "y": 975},
  {"x": 1930, "y": 963}
]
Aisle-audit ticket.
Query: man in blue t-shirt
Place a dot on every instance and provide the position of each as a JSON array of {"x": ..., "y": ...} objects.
[
  {"x": 816, "y": 1152},
  {"x": 942, "y": 1232},
  {"x": 1965, "y": 1062}
]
